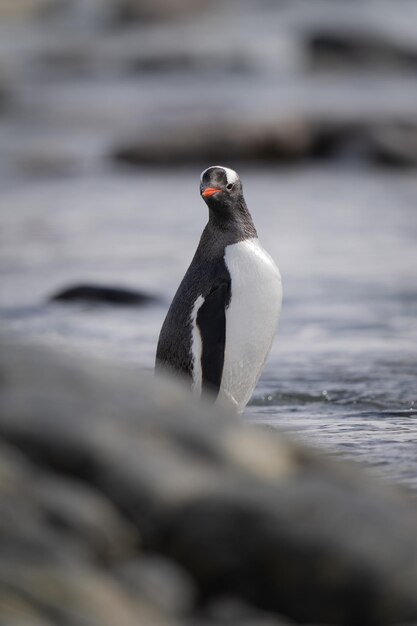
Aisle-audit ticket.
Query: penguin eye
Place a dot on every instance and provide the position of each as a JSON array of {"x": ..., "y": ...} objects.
[{"x": 229, "y": 187}]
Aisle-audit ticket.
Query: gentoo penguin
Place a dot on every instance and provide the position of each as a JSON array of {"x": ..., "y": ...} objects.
[{"x": 222, "y": 321}]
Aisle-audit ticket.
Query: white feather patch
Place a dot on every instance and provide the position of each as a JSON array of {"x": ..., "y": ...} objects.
[
  {"x": 231, "y": 175},
  {"x": 251, "y": 318},
  {"x": 196, "y": 347}
]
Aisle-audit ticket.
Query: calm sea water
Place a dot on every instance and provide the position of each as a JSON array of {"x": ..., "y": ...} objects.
[{"x": 342, "y": 374}]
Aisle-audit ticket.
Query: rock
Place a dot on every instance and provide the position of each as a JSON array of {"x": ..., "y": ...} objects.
[
  {"x": 82, "y": 513},
  {"x": 102, "y": 294},
  {"x": 352, "y": 49},
  {"x": 232, "y": 612},
  {"x": 213, "y": 41},
  {"x": 245, "y": 512},
  {"x": 195, "y": 87},
  {"x": 15, "y": 611},
  {"x": 76, "y": 598},
  {"x": 364, "y": 35},
  {"x": 394, "y": 144},
  {"x": 285, "y": 140},
  {"x": 159, "y": 9},
  {"x": 162, "y": 581},
  {"x": 221, "y": 140},
  {"x": 23, "y": 533},
  {"x": 26, "y": 8}
]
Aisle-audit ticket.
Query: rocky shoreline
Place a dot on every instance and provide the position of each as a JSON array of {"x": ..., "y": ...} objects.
[
  {"x": 127, "y": 82},
  {"x": 123, "y": 502}
]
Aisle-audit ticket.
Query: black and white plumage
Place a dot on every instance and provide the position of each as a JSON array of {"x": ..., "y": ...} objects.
[{"x": 222, "y": 321}]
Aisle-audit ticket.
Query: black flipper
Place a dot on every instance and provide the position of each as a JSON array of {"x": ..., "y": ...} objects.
[{"x": 211, "y": 321}]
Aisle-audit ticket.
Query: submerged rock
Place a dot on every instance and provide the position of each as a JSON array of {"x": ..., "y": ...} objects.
[
  {"x": 102, "y": 294},
  {"x": 246, "y": 513}
]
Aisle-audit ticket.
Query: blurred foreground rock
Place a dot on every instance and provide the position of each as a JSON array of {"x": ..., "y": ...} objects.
[{"x": 123, "y": 502}]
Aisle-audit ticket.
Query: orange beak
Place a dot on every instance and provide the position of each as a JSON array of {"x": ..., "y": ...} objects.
[{"x": 210, "y": 191}]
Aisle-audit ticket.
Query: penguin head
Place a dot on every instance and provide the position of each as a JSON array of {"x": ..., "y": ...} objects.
[{"x": 220, "y": 187}]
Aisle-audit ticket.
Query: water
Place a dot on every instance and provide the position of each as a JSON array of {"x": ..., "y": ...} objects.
[{"x": 342, "y": 374}]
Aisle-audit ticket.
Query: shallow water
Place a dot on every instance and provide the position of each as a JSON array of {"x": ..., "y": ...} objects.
[{"x": 342, "y": 374}]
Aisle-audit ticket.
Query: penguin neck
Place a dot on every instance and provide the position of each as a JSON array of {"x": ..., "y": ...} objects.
[
  {"x": 220, "y": 233},
  {"x": 235, "y": 224}
]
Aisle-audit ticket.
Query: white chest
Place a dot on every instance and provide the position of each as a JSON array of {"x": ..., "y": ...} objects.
[{"x": 251, "y": 318}]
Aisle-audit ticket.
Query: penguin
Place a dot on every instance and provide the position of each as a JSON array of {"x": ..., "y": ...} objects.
[{"x": 222, "y": 321}]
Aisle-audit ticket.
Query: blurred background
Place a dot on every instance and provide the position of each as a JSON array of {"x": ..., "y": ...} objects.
[{"x": 110, "y": 109}]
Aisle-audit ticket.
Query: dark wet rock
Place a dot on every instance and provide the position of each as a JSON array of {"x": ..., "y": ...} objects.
[
  {"x": 230, "y": 611},
  {"x": 390, "y": 143},
  {"x": 340, "y": 35},
  {"x": 285, "y": 140},
  {"x": 102, "y": 294},
  {"x": 221, "y": 140},
  {"x": 332, "y": 49},
  {"x": 246, "y": 513},
  {"x": 394, "y": 144}
]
